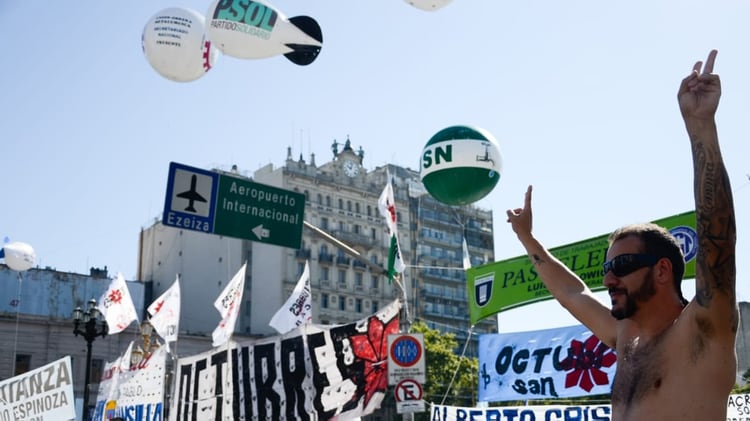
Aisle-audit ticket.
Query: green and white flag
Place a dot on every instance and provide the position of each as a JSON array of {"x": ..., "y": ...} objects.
[{"x": 387, "y": 208}]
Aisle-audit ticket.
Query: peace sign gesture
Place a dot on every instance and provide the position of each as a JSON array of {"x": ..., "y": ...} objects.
[{"x": 700, "y": 91}]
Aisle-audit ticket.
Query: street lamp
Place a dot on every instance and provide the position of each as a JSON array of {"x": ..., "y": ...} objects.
[
  {"x": 88, "y": 325},
  {"x": 139, "y": 354}
]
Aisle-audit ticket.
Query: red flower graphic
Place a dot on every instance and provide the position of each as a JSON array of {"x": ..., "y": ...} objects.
[
  {"x": 585, "y": 361},
  {"x": 115, "y": 296},
  {"x": 373, "y": 349}
]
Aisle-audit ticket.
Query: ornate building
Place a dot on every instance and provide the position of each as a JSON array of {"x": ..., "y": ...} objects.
[{"x": 346, "y": 277}]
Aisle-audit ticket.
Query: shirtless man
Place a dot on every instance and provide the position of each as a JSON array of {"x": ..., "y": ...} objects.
[{"x": 675, "y": 360}]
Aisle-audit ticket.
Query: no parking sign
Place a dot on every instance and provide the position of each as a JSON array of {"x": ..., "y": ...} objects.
[{"x": 406, "y": 358}]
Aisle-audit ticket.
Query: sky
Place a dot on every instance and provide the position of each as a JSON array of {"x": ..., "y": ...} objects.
[{"x": 580, "y": 95}]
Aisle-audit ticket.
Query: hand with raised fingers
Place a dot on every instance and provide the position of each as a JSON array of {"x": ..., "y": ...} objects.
[
  {"x": 700, "y": 91},
  {"x": 520, "y": 218}
]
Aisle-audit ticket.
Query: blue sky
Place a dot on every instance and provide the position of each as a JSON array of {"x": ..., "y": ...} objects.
[{"x": 581, "y": 96}]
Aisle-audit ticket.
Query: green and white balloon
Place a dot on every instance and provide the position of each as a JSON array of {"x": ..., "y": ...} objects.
[{"x": 460, "y": 165}]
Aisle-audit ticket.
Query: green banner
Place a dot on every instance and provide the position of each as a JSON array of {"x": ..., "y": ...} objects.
[{"x": 506, "y": 284}]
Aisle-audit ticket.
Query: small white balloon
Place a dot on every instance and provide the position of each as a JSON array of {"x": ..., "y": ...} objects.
[
  {"x": 175, "y": 44},
  {"x": 19, "y": 256},
  {"x": 428, "y": 5}
]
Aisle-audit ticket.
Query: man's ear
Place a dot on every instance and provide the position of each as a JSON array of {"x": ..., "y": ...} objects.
[{"x": 663, "y": 271}]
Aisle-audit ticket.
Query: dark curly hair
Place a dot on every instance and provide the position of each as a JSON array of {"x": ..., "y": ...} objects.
[{"x": 658, "y": 241}]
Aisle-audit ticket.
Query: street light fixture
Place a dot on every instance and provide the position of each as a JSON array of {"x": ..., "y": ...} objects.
[
  {"x": 139, "y": 354},
  {"x": 88, "y": 325}
]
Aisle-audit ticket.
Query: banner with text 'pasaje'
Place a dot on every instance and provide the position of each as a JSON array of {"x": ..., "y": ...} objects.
[{"x": 506, "y": 284}]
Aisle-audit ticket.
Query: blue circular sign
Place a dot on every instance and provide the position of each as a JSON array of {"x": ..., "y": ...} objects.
[
  {"x": 406, "y": 351},
  {"x": 688, "y": 239}
]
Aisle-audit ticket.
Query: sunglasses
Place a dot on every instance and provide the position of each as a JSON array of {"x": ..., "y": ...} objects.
[{"x": 625, "y": 264}]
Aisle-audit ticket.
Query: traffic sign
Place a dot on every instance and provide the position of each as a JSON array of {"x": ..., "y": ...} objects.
[
  {"x": 406, "y": 357},
  {"x": 408, "y": 393},
  {"x": 216, "y": 203}
]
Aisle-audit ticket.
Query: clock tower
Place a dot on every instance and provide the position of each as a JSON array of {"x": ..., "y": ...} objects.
[{"x": 349, "y": 161}]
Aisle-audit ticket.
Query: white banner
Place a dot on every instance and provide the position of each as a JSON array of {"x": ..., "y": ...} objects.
[
  {"x": 135, "y": 394},
  {"x": 311, "y": 373},
  {"x": 522, "y": 413},
  {"x": 43, "y": 394},
  {"x": 553, "y": 363},
  {"x": 738, "y": 409}
]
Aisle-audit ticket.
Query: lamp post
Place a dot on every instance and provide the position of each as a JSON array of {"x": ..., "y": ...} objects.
[
  {"x": 139, "y": 354},
  {"x": 88, "y": 325}
]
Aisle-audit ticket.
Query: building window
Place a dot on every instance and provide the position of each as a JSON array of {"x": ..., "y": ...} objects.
[
  {"x": 324, "y": 300},
  {"x": 374, "y": 282},
  {"x": 342, "y": 304},
  {"x": 373, "y": 232},
  {"x": 300, "y": 268},
  {"x": 324, "y": 224},
  {"x": 349, "y": 205},
  {"x": 324, "y": 273},
  {"x": 328, "y": 201},
  {"x": 375, "y": 306},
  {"x": 97, "y": 367},
  {"x": 320, "y": 199},
  {"x": 342, "y": 226},
  {"x": 342, "y": 277},
  {"x": 341, "y": 204},
  {"x": 23, "y": 364},
  {"x": 357, "y": 229},
  {"x": 358, "y": 279},
  {"x": 358, "y": 305},
  {"x": 356, "y": 207}
]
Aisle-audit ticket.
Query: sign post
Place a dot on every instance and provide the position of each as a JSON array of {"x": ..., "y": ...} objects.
[
  {"x": 406, "y": 370},
  {"x": 215, "y": 203}
]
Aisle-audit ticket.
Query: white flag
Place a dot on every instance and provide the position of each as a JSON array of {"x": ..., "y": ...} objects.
[
  {"x": 467, "y": 258},
  {"x": 165, "y": 313},
  {"x": 387, "y": 208},
  {"x": 117, "y": 306},
  {"x": 124, "y": 360},
  {"x": 228, "y": 305},
  {"x": 297, "y": 310}
]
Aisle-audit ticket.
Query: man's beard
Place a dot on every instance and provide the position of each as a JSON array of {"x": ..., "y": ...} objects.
[{"x": 643, "y": 293}]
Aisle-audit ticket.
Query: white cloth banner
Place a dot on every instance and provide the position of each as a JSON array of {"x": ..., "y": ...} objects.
[
  {"x": 297, "y": 310},
  {"x": 165, "y": 313},
  {"x": 116, "y": 306},
  {"x": 44, "y": 394},
  {"x": 228, "y": 305},
  {"x": 552, "y": 363},
  {"x": 522, "y": 413},
  {"x": 738, "y": 409},
  {"x": 314, "y": 372},
  {"x": 136, "y": 393}
]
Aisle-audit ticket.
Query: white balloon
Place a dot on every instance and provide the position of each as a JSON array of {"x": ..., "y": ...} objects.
[
  {"x": 252, "y": 29},
  {"x": 175, "y": 44},
  {"x": 19, "y": 256},
  {"x": 428, "y": 5}
]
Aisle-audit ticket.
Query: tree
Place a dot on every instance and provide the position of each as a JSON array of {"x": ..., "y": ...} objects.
[{"x": 442, "y": 364}]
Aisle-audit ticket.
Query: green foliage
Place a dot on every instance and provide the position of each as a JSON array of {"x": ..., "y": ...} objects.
[
  {"x": 743, "y": 388},
  {"x": 441, "y": 365}
]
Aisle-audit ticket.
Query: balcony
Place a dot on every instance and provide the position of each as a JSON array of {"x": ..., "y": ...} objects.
[
  {"x": 351, "y": 238},
  {"x": 325, "y": 258},
  {"x": 358, "y": 265},
  {"x": 302, "y": 254},
  {"x": 343, "y": 261}
]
